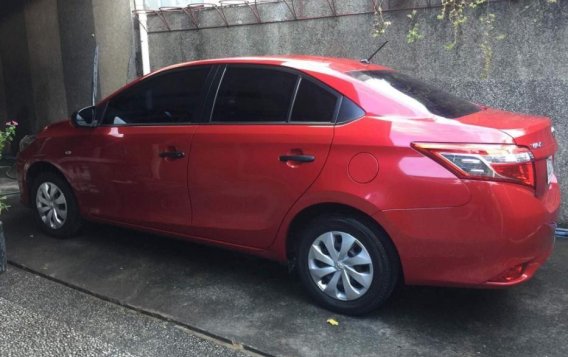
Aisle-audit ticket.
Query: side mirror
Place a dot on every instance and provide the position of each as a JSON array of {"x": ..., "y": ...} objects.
[{"x": 84, "y": 117}]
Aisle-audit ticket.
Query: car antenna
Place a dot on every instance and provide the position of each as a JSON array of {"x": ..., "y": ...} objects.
[{"x": 368, "y": 60}]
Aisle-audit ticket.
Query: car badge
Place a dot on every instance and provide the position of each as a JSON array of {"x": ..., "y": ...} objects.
[{"x": 536, "y": 145}]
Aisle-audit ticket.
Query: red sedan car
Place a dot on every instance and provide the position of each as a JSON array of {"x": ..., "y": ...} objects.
[{"x": 359, "y": 176}]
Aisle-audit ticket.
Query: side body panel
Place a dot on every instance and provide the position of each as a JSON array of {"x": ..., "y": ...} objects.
[
  {"x": 136, "y": 185},
  {"x": 118, "y": 175},
  {"x": 240, "y": 189},
  {"x": 405, "y": 179}
]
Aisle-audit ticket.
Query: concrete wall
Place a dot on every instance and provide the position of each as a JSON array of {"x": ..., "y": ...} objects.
[
  {"x": 529, "y": 72},
  {"x": 46, "y": 52}
]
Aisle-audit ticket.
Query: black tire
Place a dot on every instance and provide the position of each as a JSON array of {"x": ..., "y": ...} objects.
[
  {"x": 385, "y": 263},
  {"x": 73, "y": 222}
]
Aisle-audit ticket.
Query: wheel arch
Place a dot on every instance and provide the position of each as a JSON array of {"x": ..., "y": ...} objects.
[
  {"x": 315, "y": 210},
  {"x": 35, "y": 170}
]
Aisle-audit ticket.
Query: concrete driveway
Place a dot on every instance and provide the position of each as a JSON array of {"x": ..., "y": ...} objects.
[
  {"x": 39, "y": 317},
  {"x": 256, "y": 303}
]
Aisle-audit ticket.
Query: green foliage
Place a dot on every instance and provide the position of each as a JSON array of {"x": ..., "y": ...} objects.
[
  {"x": 487, "y": 22},
  {"x": 454, "y": 12},
  {"x": 3, "y": 205},
  {"x": 414, "y": 33},
  {"x": 6, "y": 136},
  {"x": 380, "y": 26}
]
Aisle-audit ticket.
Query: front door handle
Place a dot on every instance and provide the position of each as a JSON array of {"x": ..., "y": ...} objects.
[
  {"x": 297, "y": 158},
  {"x": 174, "y": 155}
]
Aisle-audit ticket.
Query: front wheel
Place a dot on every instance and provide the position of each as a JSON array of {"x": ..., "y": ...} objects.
[
  {"x": 55, "y": 206},
  {"x": 346, "y": 264}
]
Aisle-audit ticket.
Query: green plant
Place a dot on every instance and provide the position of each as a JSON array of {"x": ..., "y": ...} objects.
[
  {"x": 6, "y": 136},
  {"x": 485, "y": 45},
  {"x": 453, "y": 11},
  {"x": 414, "y": 33},
  {"x": 488, "y": 38},
  {"x": 380, "y": 26}
]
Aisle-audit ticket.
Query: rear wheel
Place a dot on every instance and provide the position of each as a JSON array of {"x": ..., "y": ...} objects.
[
  {"x": 346, "y": 264},
  {"x": 55, "y": 206}
]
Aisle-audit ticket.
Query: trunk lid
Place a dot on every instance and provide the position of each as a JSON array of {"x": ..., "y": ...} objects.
[{"x": 534, "y": 132}]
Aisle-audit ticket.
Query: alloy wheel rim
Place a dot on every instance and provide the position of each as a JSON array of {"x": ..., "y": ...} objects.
[
  {"x": 340, "y": 266},
  {"x": 51, "y": 205}
]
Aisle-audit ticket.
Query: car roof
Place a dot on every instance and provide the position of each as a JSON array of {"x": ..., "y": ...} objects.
[
  {"x": 318, "y": 66},
  {"x": 300, "y": 62}
]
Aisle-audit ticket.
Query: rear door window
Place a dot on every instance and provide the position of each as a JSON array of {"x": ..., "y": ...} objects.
[
  {"x": 314, "y": 104},
  {"x": 251, "y": 94}
]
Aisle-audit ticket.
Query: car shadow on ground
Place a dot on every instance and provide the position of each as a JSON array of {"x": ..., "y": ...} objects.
[{"x": 446, "y": 305}]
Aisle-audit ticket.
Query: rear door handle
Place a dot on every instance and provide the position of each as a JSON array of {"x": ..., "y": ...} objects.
[
  {"x": 174, "y": 155},
  {"x": 297, "y": 158}
]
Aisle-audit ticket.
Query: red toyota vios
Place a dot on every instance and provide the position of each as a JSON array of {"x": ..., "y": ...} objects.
[{"x": 358, "y": 175}]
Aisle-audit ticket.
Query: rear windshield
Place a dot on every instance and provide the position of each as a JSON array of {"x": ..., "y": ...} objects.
[{"x": 435, "y": 100}]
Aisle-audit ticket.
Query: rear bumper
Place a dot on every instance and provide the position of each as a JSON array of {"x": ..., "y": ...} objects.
[{"x": 503, "y": 228}]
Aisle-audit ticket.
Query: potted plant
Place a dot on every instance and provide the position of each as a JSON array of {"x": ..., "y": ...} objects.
[{"x": 6, "y": 136}]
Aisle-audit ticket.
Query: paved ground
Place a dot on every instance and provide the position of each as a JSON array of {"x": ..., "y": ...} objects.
[
  {"x": 258, "y": 304},
  {"x": 39, "y": 317},
  {"x": 43, "y": 317}
]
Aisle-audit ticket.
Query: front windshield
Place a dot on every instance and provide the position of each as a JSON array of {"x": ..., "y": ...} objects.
[{"x": 417, "y": 94}]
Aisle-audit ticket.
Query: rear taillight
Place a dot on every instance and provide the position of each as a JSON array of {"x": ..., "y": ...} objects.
[{"x": 492, "y": 162}]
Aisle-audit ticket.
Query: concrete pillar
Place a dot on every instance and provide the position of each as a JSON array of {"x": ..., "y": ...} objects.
[
  {"x": 46, "y": 66},
  {"x": 77, "y": 33},
  {"x": 115, "y": 37},
  {"x": 15, "y": 67}
]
